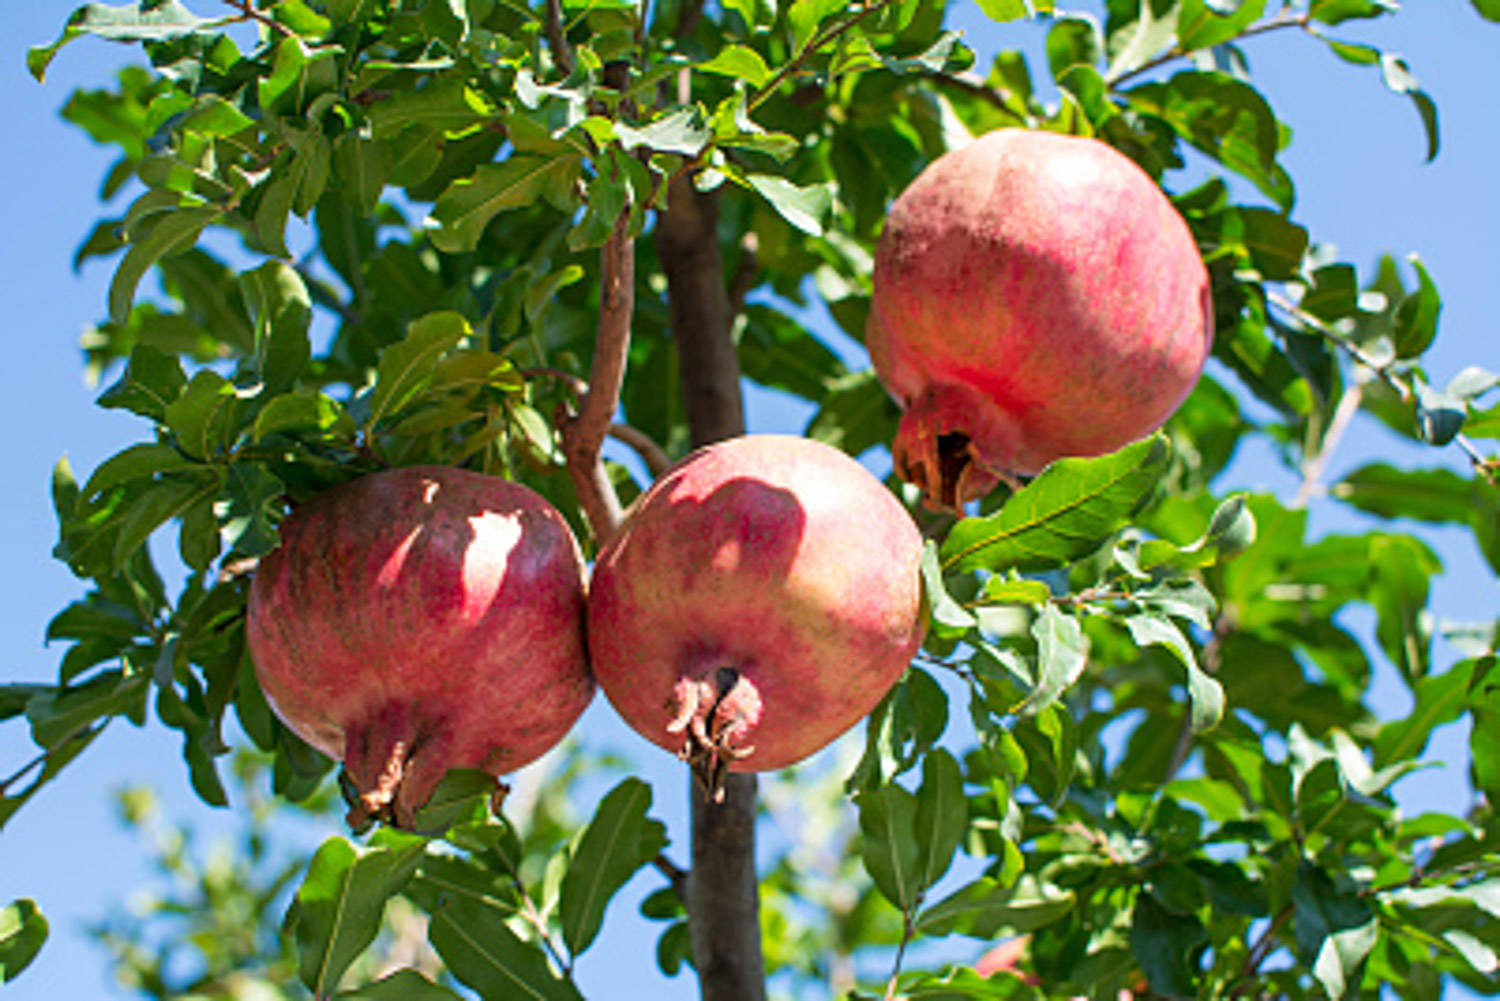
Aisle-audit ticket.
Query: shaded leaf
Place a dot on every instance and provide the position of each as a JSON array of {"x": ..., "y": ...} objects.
[
  {"x": 23, "y": 931},
  {"x": 403, "y": 985},
  {"x": 482, "y": 952},
  {"x": 618, "y": 841},
  {"x": 988, "y": 909},
  {"x": 942, "y": 817},
  {"x": 887, "y": 819}
]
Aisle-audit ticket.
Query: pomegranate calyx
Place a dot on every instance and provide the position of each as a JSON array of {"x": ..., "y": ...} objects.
[{"x": 715, "y": 716}]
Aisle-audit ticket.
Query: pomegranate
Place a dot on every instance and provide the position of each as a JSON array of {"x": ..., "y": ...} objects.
[
  {"x": 418, "y": 620},
  {"x": 1036, "y": 296},
  {"x": 757, "y": 602}
]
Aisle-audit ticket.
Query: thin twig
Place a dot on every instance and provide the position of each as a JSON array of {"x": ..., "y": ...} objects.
[
  {"x": 677, "y": 877},
  {"x": 813, "y": 44},
  {"x": 1262, "y": 948},
  {"x": 1286, "y": 19},
  {"x": 583, "y": 433},
  {"x": 653, "y": 455},
  {"x": 249, "y": 13},
  {"x": 1312, "y": 469},
  {"x": 908, "y": 932},
  {"x": 1403, "y": 390}
]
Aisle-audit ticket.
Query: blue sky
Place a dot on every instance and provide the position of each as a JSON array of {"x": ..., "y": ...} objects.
[{"x": 1357, "y": 156}]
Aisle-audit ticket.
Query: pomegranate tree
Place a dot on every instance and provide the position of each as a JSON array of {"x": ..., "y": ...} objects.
[
  {"x": 1035, "y": 296},
  {"x": 757, "y": 602},
  {"x": 418, "y": 620}
]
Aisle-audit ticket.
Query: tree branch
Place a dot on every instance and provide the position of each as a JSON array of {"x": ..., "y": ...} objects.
[
  {"x": 723, "y": 888},
  {"x": 1289, "y": 18},
  {"x": 653, "y": 455},
  {"x": 557, "y": 41},
  {"x": 813, "y": 44},
  {"x": 583, "y": 433}
]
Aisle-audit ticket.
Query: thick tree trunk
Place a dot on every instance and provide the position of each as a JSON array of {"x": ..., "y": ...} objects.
[{"x": 723, "y": 889}]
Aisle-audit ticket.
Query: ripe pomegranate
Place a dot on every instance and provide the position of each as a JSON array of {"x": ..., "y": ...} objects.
[
  {"x": 757, "y": 602},
  {"x": 1036, "y": 296},
  {"x": 418, "y": 620}
]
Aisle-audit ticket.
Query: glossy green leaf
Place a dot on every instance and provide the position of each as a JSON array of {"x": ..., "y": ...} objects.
[
  {"x": 1004, "y": 10},
  {"x": 892, "y": 857},
  {"x": 303, "y": 413},
  {"x": 1484, "y": 739},
  {"x": 740, "y": 63},
  {"x": 23, "y": 931},
  {"x": 204, "y": 418},
  {"x": 804, "y": 206},
  {"x": 1398, "y": 76},
  {"x": 126, "y": 22},
  {"x": 942, "y": 817},
  {"x": 466, "y": 208},
  {"x": 175, "y": 232},
  {"x": 482, "y": 952},
  {"x": 339, "y": 906},
  {"x": 407, "y": 367},
  {"x": 1062, "y": 654},
  {"x": 403, "y": 985},
  {"x": 1200, "y": 25},
  {"x": 987, "y": 909},
  {"x": 946, "y": 613},
  {"x": 1168, "y": 946},
  {"x": 58, "y": 715},
  {"x": 618, "y": 841},
  {"x": 1435, "y": 496},
  {"x": 1335, "y": 930},
  {"x": 1206, "y": 693},
  {"x": 1067, "y": 512}
]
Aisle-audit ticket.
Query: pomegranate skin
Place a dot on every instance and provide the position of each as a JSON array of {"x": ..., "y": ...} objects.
[
  {"x": 422, "y": 619},
  {"x": 757, "y": 602},
  {"x": 1035, "y": 296}
]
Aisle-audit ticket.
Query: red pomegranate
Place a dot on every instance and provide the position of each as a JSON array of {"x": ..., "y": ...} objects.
[
  {"x": 1036, "y": 296},
  {"x": 757, "y": 602},
  {"x": 418, "y": 620}
]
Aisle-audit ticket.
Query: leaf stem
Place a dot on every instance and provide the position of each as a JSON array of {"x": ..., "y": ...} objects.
[
  {"x": 813, "y": 44},
  {"x": 908, "y": 932}
]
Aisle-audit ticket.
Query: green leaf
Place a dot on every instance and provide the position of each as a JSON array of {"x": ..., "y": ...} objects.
[
  {"x": 1063, "y": 515},
  {"x": 174, "y": 232},
  {"x": 204, "y": 418},
  {"x": 129, "y": 22},
  {"x": 304, "y": 413},
  {"x": 482, "y": 952},
  {"x": 1207, "y": 695},
  {"x": 887, "y": 819},
  {"x": 466, "y": 208},
  {"x": 615, "y": 845},
  {"x": 1339, "y": 11},
  {"x": 341, "y": 902},
  {"x": 23, "y": 930},
  {"x": 739, "y": 63},
  {"x": 1399, "y": 572},
  {"x": 1398, "y": 76},
  {"x": 1335, "y": 930},
  {"x": 1200, "y": 25},
  {"x": 942, "y": 817},
  {"x": 446, "y": 105},
  {"x": 988, "y": 909},
  {"x": 1487, "y": 9},
  {"x": 57, "y": 715},
  {"x": 1484, "y": 737},
  {"x": 162, "y": 501},
  {"x": 946, "y": 613},
  {"x": 136, "y": 461},
  {"x": 1004, "y": 10},
  {"x": 251, "y": 504},
  {"x": 407, "y": 367},
  {"x": 403, "y": 985},
  {"x": 1417, "y": 316},
  {"x": 281, "y": 310},
  {"x": 1168, "y": 947},
  {"x": 856, "y": 415},
  {"x": 1435, "y": 496},
  {"x": 803, "y": 207},
  {"x": 1062, "y": 654}
]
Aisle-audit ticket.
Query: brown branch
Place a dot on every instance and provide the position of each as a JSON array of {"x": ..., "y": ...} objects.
[
  {"x": 557, "y": 40},
  {"x": 677, "y": 877},
  {"x": 724, "y": 889},
  {"x": 583, "y": 433},
  {"x": 653, "y": 455},
  {"x": 249, "y": 13},
  {"x": 1262, "y": 948}
]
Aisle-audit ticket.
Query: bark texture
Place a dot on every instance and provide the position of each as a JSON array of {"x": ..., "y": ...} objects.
[{"x": 723, "y": 889}]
